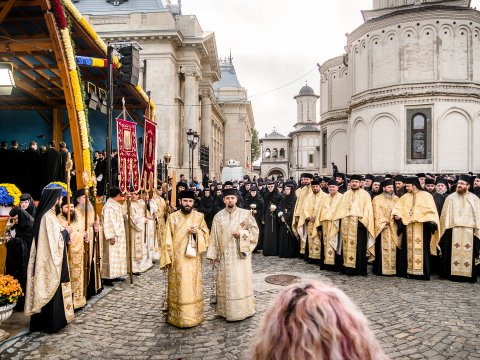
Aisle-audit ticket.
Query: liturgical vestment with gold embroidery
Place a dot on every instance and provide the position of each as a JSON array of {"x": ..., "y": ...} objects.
[
  {"x": 235, "y": 297},
  {"x": 185, "y": 291}
]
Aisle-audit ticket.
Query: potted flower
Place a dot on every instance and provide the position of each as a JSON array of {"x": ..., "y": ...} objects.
[
  {"x": 9, "y": 196},
  {"x": 10, "y": 292}
]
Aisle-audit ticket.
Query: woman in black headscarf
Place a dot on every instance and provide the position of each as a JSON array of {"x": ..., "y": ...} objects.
[
  {"x": 206, "y": 206},
  {"x": 48, "y": 297},
  {"x": 288, "y": 245},
  {"x": 270, "y": 233},
  {"x": 18, "y": 248},
  {"x": 254, "y": 202},
  {"x": 27, "y": 204}
]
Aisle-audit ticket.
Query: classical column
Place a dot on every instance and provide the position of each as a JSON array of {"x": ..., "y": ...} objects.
[
  {"x": 206, "y": 121},
  {"x": 192, "y": 74}
]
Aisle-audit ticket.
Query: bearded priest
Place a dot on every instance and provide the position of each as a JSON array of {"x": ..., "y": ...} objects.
[
  {"x": 420, "y": 221},
  {"x": 460, "y": 233},
  {"x": 186, "y": 239},
  {"x": 233, "y": 238},
  {"x": 48, "y": 296},
  {"x": 357, "y": 228}
]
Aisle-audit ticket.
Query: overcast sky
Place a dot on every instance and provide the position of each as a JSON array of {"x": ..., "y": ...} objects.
[{"x": 275, "y": 42}]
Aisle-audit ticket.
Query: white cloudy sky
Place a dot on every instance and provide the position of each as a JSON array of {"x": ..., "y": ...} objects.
[{"x": 275, "y": 42}]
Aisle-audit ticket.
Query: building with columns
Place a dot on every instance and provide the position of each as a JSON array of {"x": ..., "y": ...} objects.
[
  {"x": 179, "y": 65},
  {"x": 405, "y": 97},
  {"x": 300, "y": 151},
  {"x": 233, "y": 101}
]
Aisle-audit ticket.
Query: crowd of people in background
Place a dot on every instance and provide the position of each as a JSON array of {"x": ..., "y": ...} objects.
[
  {"x": 32, "y": 168},
  {"x": 345, "y": 222}
]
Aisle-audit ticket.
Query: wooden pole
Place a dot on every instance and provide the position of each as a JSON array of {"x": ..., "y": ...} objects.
[
  {"x": 96, "y": 236},
  {"x": 86, "y": 246},
  {"x": 69, "y": 167},
  {"x": 129, "y": 238}
]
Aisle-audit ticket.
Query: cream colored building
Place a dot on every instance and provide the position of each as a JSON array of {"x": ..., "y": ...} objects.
[
  {"x": 233, "y": 100},
  {"x": 300, "y": 151},
  {"x": 179, "y": 65},
  {"x": 406, "y": 95}
]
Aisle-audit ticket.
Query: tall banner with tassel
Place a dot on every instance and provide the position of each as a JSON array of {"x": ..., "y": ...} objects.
[
  {"x": 149, "y": 155},
  {"x": 128, "y": 167}
]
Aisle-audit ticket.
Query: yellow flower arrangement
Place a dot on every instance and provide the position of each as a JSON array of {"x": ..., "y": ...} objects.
[
  {"x": 10, "y": 290},
  {"x": 13, "y": 192}
]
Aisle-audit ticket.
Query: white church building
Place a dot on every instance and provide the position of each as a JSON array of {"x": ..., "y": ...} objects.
[{"x": 405, "y": 98}]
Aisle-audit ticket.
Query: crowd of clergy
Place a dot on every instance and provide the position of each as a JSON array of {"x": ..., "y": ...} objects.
[{"x": 63, "y": 252}]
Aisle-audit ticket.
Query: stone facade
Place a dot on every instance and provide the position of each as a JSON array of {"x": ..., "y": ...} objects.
[
  {"x": 406, "y": 96},
  {"x": 233, "y": 101},
  {"x": 179, "y": 65}
]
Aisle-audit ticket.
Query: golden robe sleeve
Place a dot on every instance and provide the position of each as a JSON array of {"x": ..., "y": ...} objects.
[
  {"x": 166, "y": 245},
  {"x": 202, "y": 235}
]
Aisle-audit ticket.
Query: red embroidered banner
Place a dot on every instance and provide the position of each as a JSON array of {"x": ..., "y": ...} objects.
[
  {"x": 149, "y": 155},
  {"x": 128, "y": 168}
]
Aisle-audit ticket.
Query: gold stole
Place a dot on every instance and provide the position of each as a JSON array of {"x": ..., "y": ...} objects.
[
  {"x": 67, "y": 301},
  {"x": 349, "y": 229},
  {"x": 462, "y": 247},
  {"x": 389, "y": 251},
  {"x": 328, "y": 251},
  {"x": 414, "y": 232}
]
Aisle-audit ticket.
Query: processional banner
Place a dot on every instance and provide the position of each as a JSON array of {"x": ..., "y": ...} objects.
[
  {"x": 128, "y": 167},
  {"x": 149, "y": 155}
]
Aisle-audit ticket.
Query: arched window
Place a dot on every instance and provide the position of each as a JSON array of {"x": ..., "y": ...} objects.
[
  {"x": 419, "y": 136},
  {"x": 282, "y": 152},
  {"x": 275, "y": 153},
  {"x": 267, "y": 153}
]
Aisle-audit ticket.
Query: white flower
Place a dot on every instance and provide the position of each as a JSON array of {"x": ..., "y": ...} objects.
[
  {"x": 273, "y": 207},
  {"x": 280, "y": 214},
  {"x": 253, "y": 206}
]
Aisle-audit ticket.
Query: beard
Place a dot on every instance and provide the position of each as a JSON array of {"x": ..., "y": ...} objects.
[
  {"x": 461, "y": 191},
  {"x": 73, "y": 215},
  {"x": 231, "y": 206},
  {"x": 82, "y": 207},
  {"x": 388, "y": 195},
  {"x": 186, "y": 209}
]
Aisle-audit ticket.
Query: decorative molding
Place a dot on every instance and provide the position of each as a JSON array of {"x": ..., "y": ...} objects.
[
  {"x": 109, "y": 20},
  {"x": 428, "y": 14}
]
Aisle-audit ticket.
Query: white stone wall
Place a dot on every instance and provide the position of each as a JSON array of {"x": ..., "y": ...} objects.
[
  {"x": 280, "y": 163},
  {"x": 423, "y": 59}
]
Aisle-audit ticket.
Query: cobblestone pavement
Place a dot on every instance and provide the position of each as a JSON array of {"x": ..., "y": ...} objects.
[{"x": 412, "y": 319}]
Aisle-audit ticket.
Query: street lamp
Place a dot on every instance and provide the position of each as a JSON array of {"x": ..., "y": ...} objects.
[
  {"x": 192, "y": 138},
  {"x": 167, "y": 158}
]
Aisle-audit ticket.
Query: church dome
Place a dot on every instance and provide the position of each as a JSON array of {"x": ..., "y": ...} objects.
[{"x": 306, "y": 90}]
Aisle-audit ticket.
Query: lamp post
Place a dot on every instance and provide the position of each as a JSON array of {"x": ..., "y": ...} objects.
[
  {"x": 193, "y": 139},
  {"x": 167, "y": 158}
]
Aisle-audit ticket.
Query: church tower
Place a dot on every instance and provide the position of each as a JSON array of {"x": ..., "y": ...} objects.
[{"x": 306, "y": 107}]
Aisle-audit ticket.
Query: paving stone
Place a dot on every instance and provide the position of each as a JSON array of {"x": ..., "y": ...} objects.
[{"x": 410, "y": 318}]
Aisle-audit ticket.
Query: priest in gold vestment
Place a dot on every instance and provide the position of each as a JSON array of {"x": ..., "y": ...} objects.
[
  {"x": 186, "y": 239},
  {"x": 160, "y": 217},
  {"x": 310, "y": 241},
  {"x": 387, "y": 240},
  {"x": 330, "y": 236},
  {"x": 301, "y": 193},
  {"x": 79, "y": 239},
  {"x": 142, "y": 260},
  {"x": 114, "y": 259},
  {"x": 94, "y": 231},
  {"x": 418, "y": 213},
  {"x": 460, "y": 233},
  {"x": 356, "y": 228},
  {"x": 233, "y": 238},
  {"x": 48, "y": 295}
]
